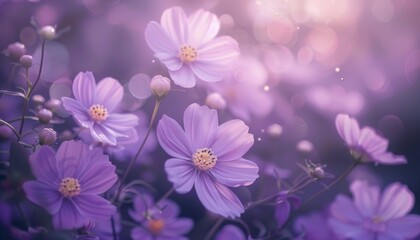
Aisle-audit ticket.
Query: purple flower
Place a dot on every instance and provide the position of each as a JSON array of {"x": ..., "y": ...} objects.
[
  {"x": 365, "y": 144},
  {"x": 94, "y": 105},
  {"x": 230, "y": 232},
  {"x": 308, "y": 226},
  {"x": 68, "y": 183},
  {"x": 286, "y": 203},
  {"x": 372, "y": 215},
  {"x": 209, "y": 157},
  {"x": 188, "y": 47},
  {"x": 103, "y": 228},
  {"x": 158, "y": 221}
]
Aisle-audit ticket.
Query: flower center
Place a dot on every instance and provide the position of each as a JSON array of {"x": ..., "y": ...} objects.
[
  {"x": 204, "y": 159},
  {"x": 156, "y": 225},
  {"x": 98, "y": 112},
  {"x": 69, "y": 187},
  {"x": 187, "y": 53}
]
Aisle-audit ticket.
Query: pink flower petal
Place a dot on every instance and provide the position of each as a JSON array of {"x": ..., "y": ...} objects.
[
  {"x": 407, "y": 227},
  {"x": 109, "y": 93},
  {"x": 203, "y": 26},
  {"x": 181, "y": 173},
  {"x": 79, "y": 112},
  {"x": 348, "y": 129},
  {"x": 221, "y": 51},
  {"x": 172, "y": 138},
  {"x": 366, "y": 198},
  {"x": 236, "y": 173},
  {"x": 174, "y": 22},
  {"x": 371, "y": 142},
  {"x": 183, "y": 77},
  {"x": 84, "y": 88},
  {"x": 397, "y": 201},
  {"x": 344, "y": 210},
  {"x": 350, "y": 231}
]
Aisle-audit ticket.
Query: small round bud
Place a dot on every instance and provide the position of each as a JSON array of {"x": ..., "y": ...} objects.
[
  {"x": 47, "y": 32},
  {"x": 160, "y": 86},
  {"x": 53, "y": 104},
  {"x": 44, "y": 115},
  {"x": 216, "y": 101},
  {"x": 318, "y": 172},
  {"x": 47, "y": 136},
  {"x": 38, "y": 99},
  {"x": 304, "y": 146},
  {"x": 26, "y": 61},
  {"x": 15, "y": 50},
  {"x": 274, "y": 130}
]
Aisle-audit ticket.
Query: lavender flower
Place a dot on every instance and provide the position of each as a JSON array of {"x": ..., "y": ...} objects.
[
  {"x": 208, "y": 157},
  {"x": 160, "y": 221},
  {"x": 308, "y": 226},
  {"x": 68, "y": 183},
  {"x": 372, "y": 215},
  {"x": 286, "y": 203},
  {"x": 94, "y": 105},
  {"x": 230, "y": 232},
  {"x": 188, "y": 47},
  {"x": 365, "y": 144}
]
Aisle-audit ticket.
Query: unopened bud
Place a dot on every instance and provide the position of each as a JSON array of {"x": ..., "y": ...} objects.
[
  {"x": 304, "y": 146},
  {"x": 53, "y": 104},
  {"x": 274, "y": 130},
  {"x": 44, "y": 115},
  {"x": 38, "y": 99},
  {"x": 216, "y": 101},
  {"x": 318, "y": 172},
  {"x": 47, "y": 32},
  {"x": 47, "y": 136},
  {"x": 160, "y": 86},
  {"x": 15, "y": 50},
  {"x": 26, "y": 61}
]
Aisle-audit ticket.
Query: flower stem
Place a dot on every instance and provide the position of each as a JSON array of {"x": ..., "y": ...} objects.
[
  {"x": 165, "y": 196},
  {"x": 114, "y": 233},
  {"x": 214, "y": 229},
  {"x": 347, "y": 172},
  {"x": 133, "y": 160}
]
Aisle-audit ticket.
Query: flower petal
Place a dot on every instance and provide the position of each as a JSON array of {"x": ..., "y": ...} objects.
[
  {"x": 348, "y": 129},
  {"x": 43, "y": 195},
  {"x": 177, "y": 227},
  {"x": 69, "y": 216},
  {"x": 181, "y": 173},
  {"x": 200, "y": 124},
  {"x": 164, "y": 47},
  {"x": 172, "y": 138},
  {"x": 121, "y": 124},
  {"x": 170, "y": 210},
  {"x": 282, "y": 213},
  {"x": 183, "y": 77},
  {"x": 344, "y": 210},
  {"x": 407, "y": 227},
  {"x": 44, "y": 166},
  {"x": 174, "y": 22},
  {"x": 203, "y": 26},
  {"x": 216, "y": 197},
  {"x": 389, "y": 159},
  {"x": 230, "y": 232},
  {"x": 397, "y": 201},
  {"x": 371, "y": 142},
  {"x": 99, "y": 176},
  {"x": 350, "y": 231},
  {"x": 95, "y": 207},
  {"x": 366, "y": 198},
  {"x": 232, "y": 140},
  {"x": 71, "y": 158},
  {"x": 236, "y": 173},
  {"x": 84, "y": 88},
  {"x": 109, "y": 93},
  {"x": 140, "y": 203},
  {"x": 102, "y": 134},
  {"x": 221, "y": 51},
  {"x": 79, "y": 112},
  {"x": 140, "y": 233}
]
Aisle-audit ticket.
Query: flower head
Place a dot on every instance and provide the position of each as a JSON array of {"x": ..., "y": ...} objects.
[
  {"x": 365, "y": 144},
  {"x": 209, "y": 157},
  {"x": 189, "y": 48},
  {"x": 94, "y": 105},
  {"x": 374, "y": 215},
  {"x": 68, "y": 183},
  {"x": 158, "y": 221}
]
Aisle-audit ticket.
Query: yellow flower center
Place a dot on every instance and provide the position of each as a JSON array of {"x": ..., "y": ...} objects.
[
  {"x": 187, "y": 53},
  {"x": 69, "y": 187},
  {"x": 204, "y": 159},
  {"x": 98, "y": 112},
  {"x": 156, "y": 225}
]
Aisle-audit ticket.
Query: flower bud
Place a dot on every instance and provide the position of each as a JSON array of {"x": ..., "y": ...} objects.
[
  {"x": 47, "y": 136},
  {"x": 53, "y": 104},
  {"x": 215, "y": 101},
  {"x": 38, "y": 99},
  {"x": 47, "y": 32},
  {"x": 160, "y": 86},
  {"x": 15, "y": 50},
  {"x": 26, "y": 61},
  {"x": 274, "y": 130},
  {"x": 304, "y": 146},
  {"x": 44, "y": 115}
]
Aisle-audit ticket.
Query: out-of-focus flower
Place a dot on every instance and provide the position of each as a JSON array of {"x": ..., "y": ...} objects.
[
  {"x": 209, "y": 157},
  {"x": 44, "y": 115},
  {"x": 216, "y": 101},
  {"x": 189, "y": 48},
  {"x": 304, "y": 146},
  {"x": 160, "y": 86},
  {"x": 103, "y": 228},
  {"x": 230, "y": 232},
  {"x": 38, "y": 99},
  {"x": 308, "y": 226},
  {"x": 68, "y": 183},
  {"x": 26, "y": 61},
  {"x": 94, "y": 105},
  {"x": 243, "y": 90},
  {"x": 285, "y": 204},
  {"x": 374, "y": 215},
  {"x": 158, "y": 221},
  {"x": 15, "y": 50},
  {"x": 47, "y": 136},
  {"x": 275, "y": 130},
  {"x": 47, "y": 32},
  {"x": 53, "y": 104},
  {"x": 365, "y": 144}
]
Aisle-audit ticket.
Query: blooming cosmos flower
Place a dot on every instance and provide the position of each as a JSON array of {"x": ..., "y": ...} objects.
[
  {"x": 94, "y": 105},
  {"x": 209, "y": 157},
  {"x": 189, "y": 48},
  {"x": 68, "y": 183},
  {"x": 365, "y": 143},
  {"x": 373, "y": 215},
  {"x": 159, "y": 221}
]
